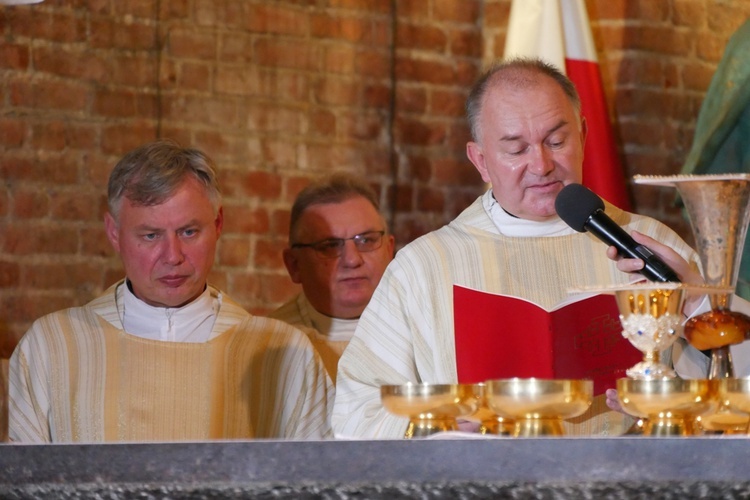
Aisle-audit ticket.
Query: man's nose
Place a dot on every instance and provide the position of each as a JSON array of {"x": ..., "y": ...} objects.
[
  {"x": 541, "y": 162},
  {"x": 173, "y": 253},
  {"x": 350, "y": 254}
]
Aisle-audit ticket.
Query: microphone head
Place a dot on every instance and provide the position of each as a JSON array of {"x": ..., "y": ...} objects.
[{"x": 575, "y": 204}]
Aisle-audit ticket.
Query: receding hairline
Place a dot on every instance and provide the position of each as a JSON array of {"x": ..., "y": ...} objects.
[{"x": 516, "y": 74}]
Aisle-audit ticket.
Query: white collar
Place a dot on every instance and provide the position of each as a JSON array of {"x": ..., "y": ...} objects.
[
  {"x": 509, "y": 225},
  {"x": 192, "y": 322},
  {"x": 329, "y": 327}
]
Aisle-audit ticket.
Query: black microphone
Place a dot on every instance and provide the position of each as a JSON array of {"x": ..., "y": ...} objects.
[{"x": 583, "y": 210}]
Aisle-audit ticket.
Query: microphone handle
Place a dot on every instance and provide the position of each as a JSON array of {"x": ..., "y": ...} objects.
[{"x": 654, "y": 269}]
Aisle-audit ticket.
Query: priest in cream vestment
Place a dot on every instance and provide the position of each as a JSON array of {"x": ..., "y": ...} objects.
[
  {"x": 338, "y": 249},
  {"x": 78, "y": 376},
  {"x": 528, "y": 138},
  {"x": 162, "y": 355}
]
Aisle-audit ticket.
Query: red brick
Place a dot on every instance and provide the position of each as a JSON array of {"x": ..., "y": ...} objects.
[
  {"x": 277, "y": 154},
  {"x": 75, "y": 206},
  {"x": 190, "y": 44},
  {"x": 55, "y": 276},
  {"x": 411, "y": 98},
  {"x": 49, "y": 95},
  {"x": 70, "y": 63},
  {"x": 39, "y": 238},
  {"x": 242, "y": 219},
  {"x": 136, "y": 70},
  {"x": 375, "y": 63},
  {"x": 352, "y": 29},
  {"x": 277, "y": 19},
  {"x": 287, "y": 54},
  {"x": 10, "y": 274},
  {"x": 322, "y": 123},
  {"x": 425, "y": 71},
  {"x": 689, "y": 13},
  {"x": 447, "y": 103},
  {"x": 466, "y": 11},
  {"x": 48, "y": 25},
  {"x": 465, "y": 43},
  {"x": 13, "y": 132},
  {"x": 108, "y": 33},
  {"x": 377, "y": 97},
  {"x": 275, "y": 288},
  {"x": 233, "y": 251},
  {"x": 30, "y": 203},
  {"x": 422, "y": 37},
  {"x": 14, "y": 56},
  {"x": 119, "y": 139},
  {"x": 94, "y": 241},
  {"x": 697, "y": 76},
  {"x": 414, "y": 132},
  {"x": 268, "y": 254}
]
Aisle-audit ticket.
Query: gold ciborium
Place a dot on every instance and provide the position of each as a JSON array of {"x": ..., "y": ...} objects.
[
  {"x": 430, "y": 408},
  {"x": 718, "y": 206},
  {"x": 669, "y": 406},
  {"x": 538, "y": 406}
]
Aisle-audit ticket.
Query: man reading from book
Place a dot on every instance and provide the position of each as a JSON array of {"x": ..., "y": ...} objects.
[{"x": 527, "y": 143}]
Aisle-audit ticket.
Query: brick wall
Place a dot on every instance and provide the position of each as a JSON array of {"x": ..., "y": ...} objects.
[{"x": 281, "y": 91}]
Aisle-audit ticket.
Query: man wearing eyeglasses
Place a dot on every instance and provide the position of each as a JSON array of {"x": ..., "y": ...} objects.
[{"x": 338, "y": 249}]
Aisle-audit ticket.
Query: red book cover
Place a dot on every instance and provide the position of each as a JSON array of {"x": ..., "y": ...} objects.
[{"x": 498, "y": 336}]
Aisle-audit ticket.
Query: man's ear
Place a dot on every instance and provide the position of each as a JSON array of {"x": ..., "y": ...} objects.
[
  {"x": 113, "y": 234},
  {"x": 476, "y": 156},
  {"x": 292, "y": 264},
  {"x": 584, "y": 131},
  {"x": 219, "y": 222}
]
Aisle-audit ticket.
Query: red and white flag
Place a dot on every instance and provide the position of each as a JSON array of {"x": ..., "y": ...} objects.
[{"x": 558, "y": 31}]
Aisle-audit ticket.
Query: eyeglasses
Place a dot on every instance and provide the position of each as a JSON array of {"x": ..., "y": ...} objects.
[{"x": 334, "y": 247}]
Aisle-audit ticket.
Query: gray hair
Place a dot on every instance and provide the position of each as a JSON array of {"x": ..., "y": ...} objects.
[
  {"x": 336, "y": 188},
  {"x": 519, "y": 72},
  {"x": 150, "y": 174}
]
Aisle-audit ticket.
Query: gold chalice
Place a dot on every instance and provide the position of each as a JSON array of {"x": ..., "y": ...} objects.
[
  {"x": 538, "y": 406},
  {"x": 430, "y": 408},
  {"x": 652, "y": 320},
  {"x": 669, "y": 406}
]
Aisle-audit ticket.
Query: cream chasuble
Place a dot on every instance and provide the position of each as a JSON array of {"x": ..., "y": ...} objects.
[{"x": 406, "y": 332}]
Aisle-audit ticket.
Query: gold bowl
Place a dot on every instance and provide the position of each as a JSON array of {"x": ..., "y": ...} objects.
[
  {"x": 670, "y": 405},
  {"x": 733, "y": 415},
  {"x": 489, "y": 421},
  {"x": 430, "y": 408},
  {"x": 538, "y": 406}
]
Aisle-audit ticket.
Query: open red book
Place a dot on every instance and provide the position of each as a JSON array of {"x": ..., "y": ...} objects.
[{"x": 498, "y": 336}]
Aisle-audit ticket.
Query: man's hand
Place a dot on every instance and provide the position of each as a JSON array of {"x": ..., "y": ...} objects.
[
  {"x": 687, "y": 273},
  {"x": 613, "y": 400}
]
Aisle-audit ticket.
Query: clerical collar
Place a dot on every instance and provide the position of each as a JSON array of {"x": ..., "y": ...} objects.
[
  {"x": 192, "y": 322},
  {"x": 510, "y": 225},
  {"x": 331, "y": 328}
]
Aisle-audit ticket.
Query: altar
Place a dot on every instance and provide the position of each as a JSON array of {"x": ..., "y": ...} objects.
[{"x": 622, "y": 467}]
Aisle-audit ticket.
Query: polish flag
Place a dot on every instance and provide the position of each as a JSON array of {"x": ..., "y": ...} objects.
[{"x": 558, "y": 31}]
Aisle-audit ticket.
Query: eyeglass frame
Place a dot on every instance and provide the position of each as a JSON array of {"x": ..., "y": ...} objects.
[{"x": 340, "y": 246}]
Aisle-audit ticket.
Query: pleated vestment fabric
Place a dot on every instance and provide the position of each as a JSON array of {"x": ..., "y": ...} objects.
[
  {"x": 406, "y": 332},
  {"x": 296, "y": 311},
  {"x": 76, "y": 376}
]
